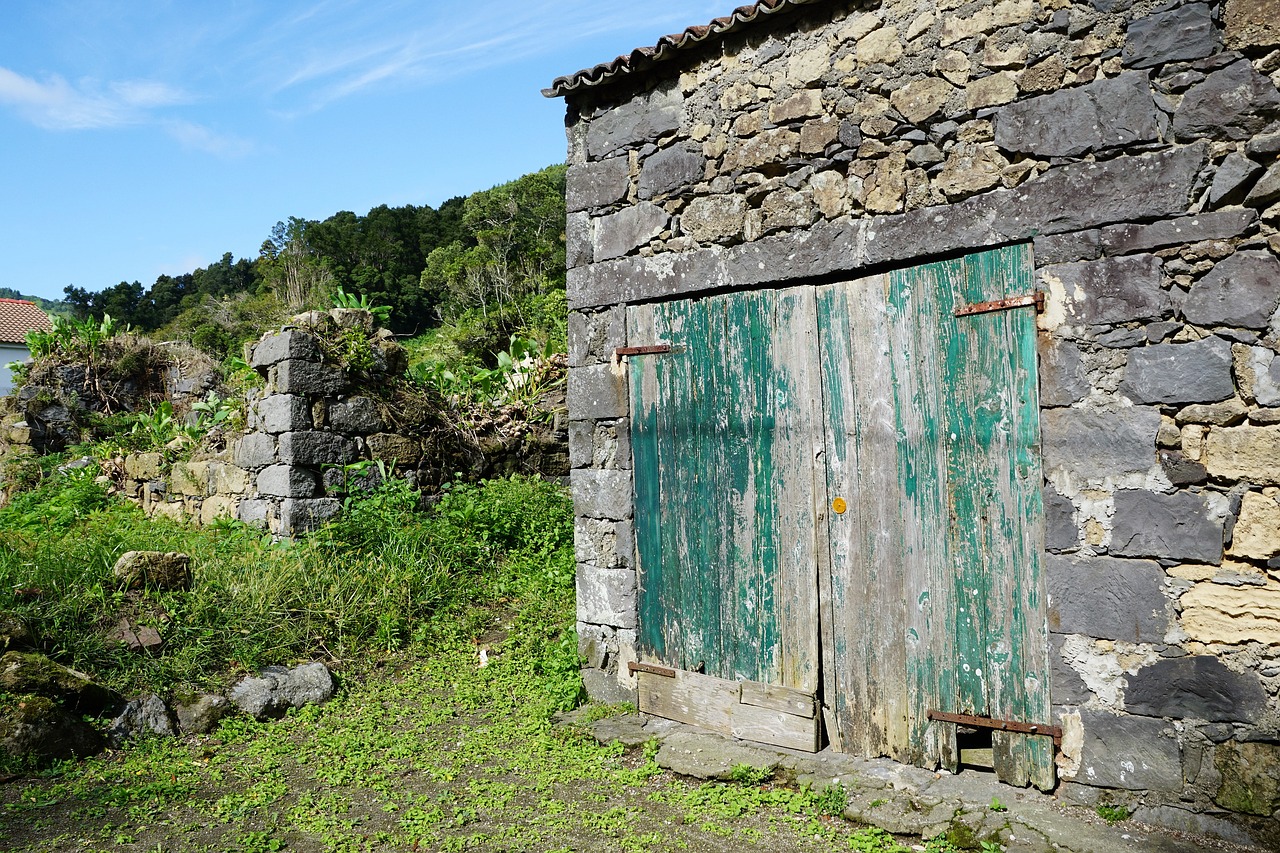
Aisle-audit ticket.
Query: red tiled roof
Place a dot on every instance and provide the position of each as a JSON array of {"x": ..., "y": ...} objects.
[
  {"x": 643, "y": 58},
  {"x": 17, "y": 317}
]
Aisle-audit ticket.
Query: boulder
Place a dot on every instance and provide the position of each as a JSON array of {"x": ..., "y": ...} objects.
[
  {"x": 202, "y": 714},
  {"x": 146, "y": 715},
  {"x": 278, "y": 689},
  {"x": 38, "y": 730},
  {"x": 28, "y": 672},
  {"x": 156, "y": 569}
]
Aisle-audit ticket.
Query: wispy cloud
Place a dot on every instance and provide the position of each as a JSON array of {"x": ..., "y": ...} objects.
[
  {"x": 419, "y": 44},
  {"x": 201, "y": 138},
  {"x": 55, "y": 104}
]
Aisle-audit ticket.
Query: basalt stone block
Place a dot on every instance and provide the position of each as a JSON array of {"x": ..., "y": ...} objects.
[
  {"x": 1128, "y": 752},
  {"x": 1218, "y": 225},
  {"x": 602, "y": 494},
  {"x": 1176, "y": 526},
  {"x": 1068, "y": 248},
  {"x": 619, "y": 233},
  {"x": 291, "y": 343},
  {"x": 669, "y": 170},
  {"x": 1242, "y": 290},
  {"x": 302, "y": 515},
  {"x": 577, "y": 240},
  {"x": 1060, "y": 529},
  {"x": 1266, "y": 190},
  {"x": 1232, "y": 179},
  {"x": 1106, "y": 598},
  {"x": 1066, "y": 685},
  {"x": 314, "y": 448},
  {"x": 642, "y": 119},
  {"x": 594, "y": 336},
  {"x": 258, "y": 513},
  {"x": 1198, "y": 372},
  {"x": 255, "y": 450},
  {"x": 599, "y": 184},
  {"x": 1095, "y": 444},
  {"x": 1235, "y": 102},
  {"x": 1112, "y": 290},
  {"x": 1180, "y": 34},
  {"x": 1198, "y": 687},
  {"x": 1105, "y": 114},
  {"x": 1061, "y": 373},
  {"x": 287, "y": 481},
  {"x": 598, "y": 391},
  {"x": 355, "y": 415},
  {"x": 283, "y": 412},
  {"x": 296, "y": 376}
]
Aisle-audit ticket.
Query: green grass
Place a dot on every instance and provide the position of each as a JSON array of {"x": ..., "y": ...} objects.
[{"x": 422, "y": 748}]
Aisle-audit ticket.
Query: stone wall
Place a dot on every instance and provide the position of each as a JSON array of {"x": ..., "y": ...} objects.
[
  {"x": 317, "y": 431},
  {"x": 1135, "y": 145}
]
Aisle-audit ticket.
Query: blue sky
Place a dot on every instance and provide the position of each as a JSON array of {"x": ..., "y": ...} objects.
[{"x": 147, "y": 137}]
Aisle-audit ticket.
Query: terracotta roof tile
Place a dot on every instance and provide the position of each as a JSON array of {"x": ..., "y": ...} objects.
[
  {"x": 17, "y": 317},
  {"x": 643, "y": 58}
]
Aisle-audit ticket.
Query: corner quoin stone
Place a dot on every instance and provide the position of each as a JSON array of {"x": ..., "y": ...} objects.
[
  {"x": 255, "y": 450},
  {"x": 598, "y": 391},
  {"x": 601, "y": 494},
  {"x": 607, "y": 596},
  {"x": 290, "y": 343},
  {"x": 287, "y": 481},
  {"x": 279, "y": 413}
]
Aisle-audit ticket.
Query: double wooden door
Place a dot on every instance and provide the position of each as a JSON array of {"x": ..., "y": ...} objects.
[{"x": 838, "y": 492}]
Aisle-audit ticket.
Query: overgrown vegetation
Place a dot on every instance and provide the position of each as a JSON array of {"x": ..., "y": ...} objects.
[{"x": 383, "y": 578}]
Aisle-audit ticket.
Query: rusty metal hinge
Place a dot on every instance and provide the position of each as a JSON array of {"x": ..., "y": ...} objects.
[
  {"x": 1054, "y": 732},
  {"x": 1036, "y": 299},
  {"x": 653, "y": 669},
  {"x": 658, "y": 349}
]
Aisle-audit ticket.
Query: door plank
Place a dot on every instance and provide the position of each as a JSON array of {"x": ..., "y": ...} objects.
[
  {"x": 917, "y": 359},
  {"x": 866, "y": 562}
]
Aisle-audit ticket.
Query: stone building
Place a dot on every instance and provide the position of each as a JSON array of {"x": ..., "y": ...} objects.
[{"x": 924, "y": 389}]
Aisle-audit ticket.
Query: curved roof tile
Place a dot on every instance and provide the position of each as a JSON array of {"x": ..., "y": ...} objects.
[{"x": 643, "y": 58}]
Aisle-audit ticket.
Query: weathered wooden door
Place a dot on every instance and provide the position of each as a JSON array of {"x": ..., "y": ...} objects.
[
  {"x": 857, "y": 449},
  {"x": 933, "y": 594}
]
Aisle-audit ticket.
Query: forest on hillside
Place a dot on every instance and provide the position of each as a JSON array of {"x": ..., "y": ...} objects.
[{"x": 482, "y": 267}]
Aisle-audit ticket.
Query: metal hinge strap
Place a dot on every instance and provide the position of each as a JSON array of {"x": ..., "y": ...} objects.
[
  {"x": 1036, "y": 299},
  {"x": 658, "y": 349},
  {"x": 653, "y": 669},
  {"x": 1018, "y": 726}
]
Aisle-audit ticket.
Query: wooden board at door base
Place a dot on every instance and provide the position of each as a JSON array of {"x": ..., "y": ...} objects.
[{"x": 748, "y": 710}]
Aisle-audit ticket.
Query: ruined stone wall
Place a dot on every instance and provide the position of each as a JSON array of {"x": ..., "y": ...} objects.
[
  {"x": 1135, "y": 145},
  {"x": 313, "y": 423}
]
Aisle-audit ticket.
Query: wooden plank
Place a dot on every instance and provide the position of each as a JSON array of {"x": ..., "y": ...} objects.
[
  {"x": 714, "y": 704},
  {"x": 795, "y": 702},
  {"x": 915, "y": 359},
  {"x": 867, "y": 604}
]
